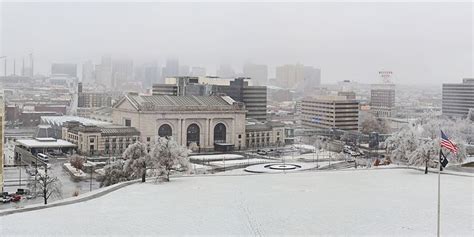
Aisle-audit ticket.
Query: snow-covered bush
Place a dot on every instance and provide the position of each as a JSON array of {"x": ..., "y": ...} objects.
[{"x": 113, "y": 173}]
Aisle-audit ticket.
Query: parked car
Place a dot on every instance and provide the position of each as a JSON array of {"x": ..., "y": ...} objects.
[
  {"x": 22, "y": 191},
  {"x": 354, "y": 153},
  {"x": 6, "y": 199},
  {"x": 261, "y": 152},
  {"x": 16, "y": 198}
]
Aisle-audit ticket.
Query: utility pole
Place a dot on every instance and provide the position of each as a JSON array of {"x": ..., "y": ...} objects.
[{"x": 5, "y": 65}]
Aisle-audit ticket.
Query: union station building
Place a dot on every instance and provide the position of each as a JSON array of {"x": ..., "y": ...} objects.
[{"x": 199, "y": 122}]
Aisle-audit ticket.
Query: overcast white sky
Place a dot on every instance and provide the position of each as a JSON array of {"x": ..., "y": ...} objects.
[{"x": 419, "y": 42}]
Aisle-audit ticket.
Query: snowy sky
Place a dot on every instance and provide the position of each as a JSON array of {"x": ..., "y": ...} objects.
[{"x": 419, "y": 42}]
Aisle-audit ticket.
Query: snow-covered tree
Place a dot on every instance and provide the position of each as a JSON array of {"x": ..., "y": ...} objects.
[
  {"x": 114, "y": 173},
  {"x": 168, "y": 155},
  {"x": 419, "y": 143},
  {"x": 46, "y": 185},
  {"x": 425, "y": 154},
  {"x": 401, "y": 144},
  {"x": 77, "y": 162},
  {"x": 371, "y": 124},
  {"x": 137, "y": 160}
]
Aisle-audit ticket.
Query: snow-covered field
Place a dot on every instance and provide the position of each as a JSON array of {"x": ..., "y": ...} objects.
[
  {"x": 240, "y": 162},
  {"x": 360, "y": 202}
]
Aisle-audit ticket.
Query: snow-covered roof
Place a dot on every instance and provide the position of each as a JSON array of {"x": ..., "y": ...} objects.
[
  {"x": 44, "y": 143},
  {"x": 60, "y": 120}
]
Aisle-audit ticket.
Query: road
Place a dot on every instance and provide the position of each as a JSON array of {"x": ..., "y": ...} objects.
[{"x": 68, "y": 185}]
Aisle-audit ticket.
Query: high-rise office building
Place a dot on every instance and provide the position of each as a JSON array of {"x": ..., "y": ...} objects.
[
  {"x": 258, "y": 73},
  {"x": 458, "y": 98},
  {"x": 122, "y": 72},
  {"x": 103, "y": 72},
  {"x": 151, "y": 75},
  {"x": 184, "y": 71},
  {"x": 198, "y": 72},
  {"x": 225, "y": 71},
  {"x": 88, "y": 72},
  {"x": 170, "y": 70},
  {"x": 64, "y": 68},
  {"x": 382, "y": 100},
  {"x": 254, "y": 97},
  {"x": 290, "y": 75},
  {"x": 324, "y": 112},
  {"x": 311, "y": 80}
]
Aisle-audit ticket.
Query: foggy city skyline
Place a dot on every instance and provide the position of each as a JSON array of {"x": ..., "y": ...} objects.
[
  {"x": 348, "y": 41},
  {"x": 163, "y": 118}
]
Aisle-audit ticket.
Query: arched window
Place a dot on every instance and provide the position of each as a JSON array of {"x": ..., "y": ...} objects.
[
  {"x": 220, "y": 133},
  {"x": 192, "y": 134},
  {"x": 165, "y": 131}
]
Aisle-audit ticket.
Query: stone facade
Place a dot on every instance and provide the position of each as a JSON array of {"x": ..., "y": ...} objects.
[
  {"x": 265, "y": 134},
  {"x": 190, "y": 120},
  {"x": 99, "y": 140}
]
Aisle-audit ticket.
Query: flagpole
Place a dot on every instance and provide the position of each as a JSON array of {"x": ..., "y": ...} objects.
[{"x": 439, "y": 192}]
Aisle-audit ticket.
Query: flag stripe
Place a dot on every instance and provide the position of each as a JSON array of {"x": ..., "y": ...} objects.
[{"x": 448, "y": 144}]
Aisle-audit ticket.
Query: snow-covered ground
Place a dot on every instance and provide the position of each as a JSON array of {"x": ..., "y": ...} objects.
[
  {"x": 280, "y": 167},
  {"x": 360, "y": 202},
  {"x": 216, "y": 157},
  {"x": 240, "y": 162}
]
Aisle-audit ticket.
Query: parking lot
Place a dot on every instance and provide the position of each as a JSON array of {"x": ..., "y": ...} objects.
[{"x": 12, "y": 182}]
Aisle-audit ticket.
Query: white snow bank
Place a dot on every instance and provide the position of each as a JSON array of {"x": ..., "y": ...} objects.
[
  {"x": 216, "y": 157},
  {"x": 394, "y": 202}
]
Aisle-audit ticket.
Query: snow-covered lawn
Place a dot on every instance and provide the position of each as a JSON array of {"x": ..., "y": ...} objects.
[
  {"x": 280, "y": 167},
  {"x": 240, "y": 162},
  {"x": 361, "y": 202}
]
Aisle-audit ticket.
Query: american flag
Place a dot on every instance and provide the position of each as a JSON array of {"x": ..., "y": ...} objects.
[{"x": 448, "y": 144}]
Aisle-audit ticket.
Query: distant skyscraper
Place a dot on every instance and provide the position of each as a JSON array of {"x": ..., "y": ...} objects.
[
  {"x": 122, "y": 72},
  {"x": 171, "y": 69},
  {"x": 225, "y": 71},
  {"x": 64, "y": 68},
  {"x": 312, "y": 77},
  {"x": 184, "y": 70},
  {"x": 198, "y": 71},
  {"x": 151, "y": 75},
  {"x": 382, "y": 100},
  {"x": 290, "y": 75},
  {"x": 103, "y": 72},
  {"x": 257, "y": 72},
  {"x": 458, "y": 98},
  {"x": 88, "y": 72}
]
